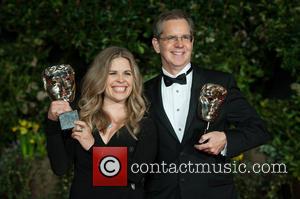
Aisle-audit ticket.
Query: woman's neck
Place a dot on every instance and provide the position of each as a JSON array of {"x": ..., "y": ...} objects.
[{"x": 116, "y": 111}]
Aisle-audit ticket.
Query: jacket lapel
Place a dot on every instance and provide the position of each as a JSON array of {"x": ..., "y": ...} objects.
[{"x": 197, "y": 83}]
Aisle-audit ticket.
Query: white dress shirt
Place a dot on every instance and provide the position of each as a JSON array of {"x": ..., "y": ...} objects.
[{"x": 176, "y": 101}]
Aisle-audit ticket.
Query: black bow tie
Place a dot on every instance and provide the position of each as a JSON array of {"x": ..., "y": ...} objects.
[{"x": 180, "y": 79}]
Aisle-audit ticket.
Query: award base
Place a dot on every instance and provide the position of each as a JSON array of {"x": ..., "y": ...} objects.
[{"x": 67, "y": 119}]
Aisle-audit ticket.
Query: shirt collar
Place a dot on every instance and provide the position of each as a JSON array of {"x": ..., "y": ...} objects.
[{"x": 184, "y": 70}]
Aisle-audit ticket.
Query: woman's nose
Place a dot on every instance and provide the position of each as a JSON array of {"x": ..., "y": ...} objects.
[{"x": 120, "y": 78}]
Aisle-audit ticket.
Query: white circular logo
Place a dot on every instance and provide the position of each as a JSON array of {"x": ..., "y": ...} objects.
[{"x": 109, "y": 166}]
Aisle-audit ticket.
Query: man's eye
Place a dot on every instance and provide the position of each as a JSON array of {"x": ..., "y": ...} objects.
[
  {"x": 171, "y": 38},
  {"x": 186, "y": 37}
]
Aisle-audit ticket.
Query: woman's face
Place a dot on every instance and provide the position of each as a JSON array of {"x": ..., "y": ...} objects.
[{"x": 119, "y": 81}]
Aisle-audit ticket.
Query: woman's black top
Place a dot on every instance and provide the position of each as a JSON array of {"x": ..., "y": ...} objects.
[{"x": 64, "y": 151}]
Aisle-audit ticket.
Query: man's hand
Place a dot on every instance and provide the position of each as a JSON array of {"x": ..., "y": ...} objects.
[
  {"x": 58, "y": 107},
  {"x": 212, "y": 142}
]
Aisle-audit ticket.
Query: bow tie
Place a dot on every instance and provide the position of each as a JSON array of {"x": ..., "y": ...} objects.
[{"x": 180, "y": 79}]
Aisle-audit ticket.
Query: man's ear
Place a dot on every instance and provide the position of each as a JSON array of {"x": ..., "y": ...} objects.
[{"x": 155, "y": 45}]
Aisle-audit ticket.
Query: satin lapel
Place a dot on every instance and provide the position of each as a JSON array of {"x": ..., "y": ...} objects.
[
  {"x": 198, "y": 81},
  {"x": 159, "y": 109}
]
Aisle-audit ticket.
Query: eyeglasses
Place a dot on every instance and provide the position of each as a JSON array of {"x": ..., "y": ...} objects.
[{"x": 173, "y": 38}]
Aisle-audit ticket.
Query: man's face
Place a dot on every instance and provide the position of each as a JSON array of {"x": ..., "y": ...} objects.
[{"x": 175, "y": 45}]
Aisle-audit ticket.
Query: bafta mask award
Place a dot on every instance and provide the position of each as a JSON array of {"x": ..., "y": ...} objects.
[
  {"x": 59, "y": 83},
  {"x": 211, "y": 98}
]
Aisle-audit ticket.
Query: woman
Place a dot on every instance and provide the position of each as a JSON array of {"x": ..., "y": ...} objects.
[{"x": 111, "y": 114}]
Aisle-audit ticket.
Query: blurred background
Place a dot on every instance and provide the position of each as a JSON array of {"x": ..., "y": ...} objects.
[{"x": 257, "y": 41}]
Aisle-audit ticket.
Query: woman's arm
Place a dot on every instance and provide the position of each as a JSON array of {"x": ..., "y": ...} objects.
[{"x": 60, "y": 145}]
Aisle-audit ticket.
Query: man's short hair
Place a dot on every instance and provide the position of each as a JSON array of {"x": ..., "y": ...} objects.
[{"x": 169, "y": 15}]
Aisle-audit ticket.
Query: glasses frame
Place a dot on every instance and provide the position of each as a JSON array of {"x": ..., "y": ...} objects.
[{"x": 175, "y": 38}]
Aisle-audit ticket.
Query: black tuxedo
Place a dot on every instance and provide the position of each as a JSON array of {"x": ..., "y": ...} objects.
[{"x": 243, "y": 127}]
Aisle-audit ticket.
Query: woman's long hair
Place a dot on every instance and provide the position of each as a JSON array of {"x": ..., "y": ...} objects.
[{"x": 93, "y": 88}]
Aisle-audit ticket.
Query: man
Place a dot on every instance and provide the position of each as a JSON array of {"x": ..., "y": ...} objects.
[{"x": 173, "y": 106}]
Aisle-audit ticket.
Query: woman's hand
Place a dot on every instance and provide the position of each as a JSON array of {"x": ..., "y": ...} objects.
[
  {"x": 58, "y": 107},
  {"x": 83, "y": 134}
]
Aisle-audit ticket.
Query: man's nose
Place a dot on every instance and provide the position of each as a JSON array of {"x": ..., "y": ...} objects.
[{"x": 179, "y": 42}]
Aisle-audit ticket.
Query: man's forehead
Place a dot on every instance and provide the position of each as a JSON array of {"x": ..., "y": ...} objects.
[{"x": 175, "y": 25}]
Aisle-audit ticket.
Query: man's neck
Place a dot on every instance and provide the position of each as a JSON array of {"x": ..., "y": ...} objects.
[{"x": 174, "y": 71}]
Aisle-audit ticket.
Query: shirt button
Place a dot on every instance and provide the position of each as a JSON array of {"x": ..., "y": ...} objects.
[
  {"x": 177, "y": 91},
  {"x": 179, "y": 129},
  {"x": 178, "y": 109},
  {"x": 132, "y": 186}
]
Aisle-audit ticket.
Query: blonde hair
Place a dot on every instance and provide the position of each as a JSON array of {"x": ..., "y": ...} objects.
[{"x": 93, "y": 87}]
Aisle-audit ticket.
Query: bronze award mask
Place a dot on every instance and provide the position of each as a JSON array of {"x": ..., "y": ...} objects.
[
  {"x": 59, "y": 83},
  {"x": 211, "y": 98}
]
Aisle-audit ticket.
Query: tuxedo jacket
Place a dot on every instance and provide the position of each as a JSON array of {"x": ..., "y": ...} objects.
[{"x": 243, "y": 128}]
